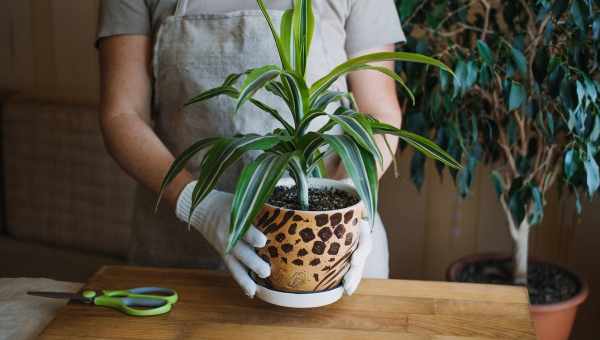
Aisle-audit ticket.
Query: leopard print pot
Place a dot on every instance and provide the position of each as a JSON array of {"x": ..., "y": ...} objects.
[{"x": 309, "y": 251}]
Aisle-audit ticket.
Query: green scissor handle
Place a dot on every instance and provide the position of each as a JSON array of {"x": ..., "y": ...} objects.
[{"x": 153, "y": 300}]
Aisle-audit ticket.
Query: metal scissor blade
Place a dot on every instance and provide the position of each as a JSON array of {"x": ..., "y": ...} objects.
[{"x": 56, "y": 295}]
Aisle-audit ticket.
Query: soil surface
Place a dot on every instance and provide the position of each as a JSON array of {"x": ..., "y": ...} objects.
[
  {"x": 546, "y": 283},
  {"x": 320, "y": 199}
]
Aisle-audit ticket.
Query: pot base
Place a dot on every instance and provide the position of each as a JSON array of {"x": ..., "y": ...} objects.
[{"x": 299, "y": 300}]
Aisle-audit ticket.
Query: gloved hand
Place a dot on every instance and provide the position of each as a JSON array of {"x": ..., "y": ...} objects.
[
  {"x": 359, "y": 258},
  {"x": 211, "y": 218}
]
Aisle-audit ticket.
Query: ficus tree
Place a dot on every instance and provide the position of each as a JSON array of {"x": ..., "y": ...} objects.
[
  {"x": 525, "y": 99},
  {"x": 293, "y": 147}
]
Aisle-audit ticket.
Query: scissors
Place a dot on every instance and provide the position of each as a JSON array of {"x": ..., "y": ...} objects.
[{"x": 143, "y": 301}]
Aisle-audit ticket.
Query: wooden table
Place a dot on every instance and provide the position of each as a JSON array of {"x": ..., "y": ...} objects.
[{"x": 212, "y": 307}]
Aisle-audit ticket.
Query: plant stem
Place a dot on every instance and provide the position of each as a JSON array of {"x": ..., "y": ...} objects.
[
  {"x": 520, "y": 256},
  {"x": 302, "y": 191}
]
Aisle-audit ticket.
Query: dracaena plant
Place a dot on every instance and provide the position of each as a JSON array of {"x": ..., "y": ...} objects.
[
  {"x": 525, "y": 99},
  {"x": 293, "y": 148}
]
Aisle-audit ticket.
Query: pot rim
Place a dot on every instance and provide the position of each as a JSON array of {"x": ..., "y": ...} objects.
[
  {"x": 572, "y": 302},
  {"x": 288, "y": 181}
]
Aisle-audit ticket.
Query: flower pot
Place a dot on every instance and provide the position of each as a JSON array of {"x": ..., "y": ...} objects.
[
  {"x": 552, "y": 321},
  {"x": 309, "y": 251}
]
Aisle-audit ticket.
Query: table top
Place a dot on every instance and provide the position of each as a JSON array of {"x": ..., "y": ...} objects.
[{"x": 212, "y": 307}]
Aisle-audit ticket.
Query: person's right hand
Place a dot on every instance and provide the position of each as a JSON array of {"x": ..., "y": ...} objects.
[{"x": 211, "y": 218}]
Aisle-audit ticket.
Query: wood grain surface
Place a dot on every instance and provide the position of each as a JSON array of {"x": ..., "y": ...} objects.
[{"x": 212, "y": 307}]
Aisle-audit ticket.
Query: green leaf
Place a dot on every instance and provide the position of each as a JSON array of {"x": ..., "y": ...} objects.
[
  {"x": 280, "y": 48},
  {"x": 360, "y": 166},
  {"x": 303, "y": 22},
  {"x": 256, "y": 80},
  {"x": 255, "y": 184},
  {"x": 180, "y": 161},
  {"x": 321, "y": 102},
  {"x": 517, "y": 96},
  {"x": 406, "y": 8},
  {"x": 596, "y": 29},
  {"x": 579, "y": 15},
  {"x": 518, "y": 197},
  {"x": 217, "y": 91},
  {"x": 498, "y": 183},
  {"x": 592, "y": 171},
  {"x": 359, "y": 132},
  {"x": 443, "y": 79},
  {"x": 538, "y": 206},
  {"x": 297, "y": 92},
  {"x": 485, "y": 53},
  {"x": 222, "y": 155},
  {"x": 570, "y": 163},
  {"x": 273, "y": 113},
  {"x": 421, "y": 144},
  {"x": 596, "y": 130},
  {"x": 417, "y": 170},
  {"x": 381, "y": 69},
  {"x": 520, "y": 61},
  {"x": 285, "y": 32},
  {"x": 322, "y": 84}
]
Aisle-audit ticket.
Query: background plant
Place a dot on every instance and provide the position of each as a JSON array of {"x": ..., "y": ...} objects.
[
  {"x": 292, "y": 147},
  {"x": 524, "y": 100}
]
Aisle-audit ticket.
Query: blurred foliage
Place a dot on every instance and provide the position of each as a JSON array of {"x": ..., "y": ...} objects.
[{"x": 525, "y": 99}]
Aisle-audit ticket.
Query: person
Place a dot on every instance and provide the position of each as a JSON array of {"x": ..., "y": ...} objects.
[{"x": 156, "y": 54}]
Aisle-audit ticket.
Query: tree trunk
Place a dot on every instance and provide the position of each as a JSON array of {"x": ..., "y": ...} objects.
[{"x": 521, "y": 255}]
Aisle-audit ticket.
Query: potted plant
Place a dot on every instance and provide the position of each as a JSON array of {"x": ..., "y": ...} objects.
[
  {"x": 524, "y": 101},
  {"x": 309, "y": 243}
]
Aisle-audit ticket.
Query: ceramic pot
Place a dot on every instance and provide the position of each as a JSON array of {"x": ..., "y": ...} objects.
[
  {"x": 552, "y": 321},
  {"x": 309, "y": 251}
]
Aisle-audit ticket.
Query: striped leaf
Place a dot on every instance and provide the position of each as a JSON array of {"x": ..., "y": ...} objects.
[
  {"x": 360, "y": 132},
  {"x": 359, "y": 67},
  {"x": 234, "y": 93},
  {"x": 256, "y": 80},
  {"x": 217, "y": 91},
  {"x": 317, "y": 159},
  {"x": 420, "y": 143},
  {"x": 221, "y": 156},
  {"x": 273, "y": 113},
  {"x": 303, "y": 23},
  {"x": 360, "y": 166},
  {"x": 322, "y": 84},
  {"x": 280, "y": 48},
  {"x": 285, "y": 32},
  {"x": 298, "y": 94},
  {"x": 255, "y": 184},
  {"x": 320, "y": 103},
  {"x": 179, "y": 163},
  {"x": 309, "y": 143}
]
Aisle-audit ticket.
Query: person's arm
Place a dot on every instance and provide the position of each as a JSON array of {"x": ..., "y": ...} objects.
[
  {"x": 125, "y": 113},
  {"x": 375, "y": 94}
]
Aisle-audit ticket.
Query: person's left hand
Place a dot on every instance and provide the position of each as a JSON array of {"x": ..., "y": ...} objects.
[{"x": 359, "y": 259}]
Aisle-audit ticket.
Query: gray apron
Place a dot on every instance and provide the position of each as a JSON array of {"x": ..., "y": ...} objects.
[{"x": 194, "y": 51}]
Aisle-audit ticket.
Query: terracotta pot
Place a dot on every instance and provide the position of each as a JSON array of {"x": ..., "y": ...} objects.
[
  {"x": 309, "y": 251},
  {"x": 552, "y": 321}
]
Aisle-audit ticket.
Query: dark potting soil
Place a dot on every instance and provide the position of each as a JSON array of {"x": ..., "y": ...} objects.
[
  {"x": 319, "y": 199},
  {"x": 546, "y": 283}
]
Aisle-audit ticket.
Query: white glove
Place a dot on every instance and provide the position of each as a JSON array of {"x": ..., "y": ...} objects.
[
  {"x": 211, "y": 218},
  {"x": 359, "y": 258}
]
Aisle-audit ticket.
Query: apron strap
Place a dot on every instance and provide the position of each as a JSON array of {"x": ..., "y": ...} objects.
[{"x": 181, "y": 8}]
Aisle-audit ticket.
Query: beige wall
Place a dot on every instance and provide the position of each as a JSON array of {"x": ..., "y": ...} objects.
[{"x": 52, "y": 58}]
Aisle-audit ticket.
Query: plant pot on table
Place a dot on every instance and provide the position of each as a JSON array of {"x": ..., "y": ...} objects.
[
  {"x": 309, "y": 251},
  {"x": 554, "y": 292}
]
